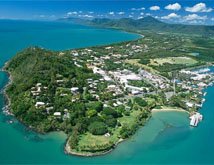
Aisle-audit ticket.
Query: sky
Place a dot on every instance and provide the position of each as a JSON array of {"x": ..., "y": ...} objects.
[{"x": 173, "y": 11}]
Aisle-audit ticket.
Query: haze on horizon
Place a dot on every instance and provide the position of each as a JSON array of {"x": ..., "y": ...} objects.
[{"x": 173, "y": 11}]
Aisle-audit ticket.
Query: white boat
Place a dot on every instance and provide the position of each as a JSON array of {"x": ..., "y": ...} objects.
[
  {"x": 195, "y": 119},
  {"x": 203, "y": 100}
]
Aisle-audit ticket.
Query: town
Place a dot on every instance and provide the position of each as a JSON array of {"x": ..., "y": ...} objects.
[{"x": 100, "y": 95}]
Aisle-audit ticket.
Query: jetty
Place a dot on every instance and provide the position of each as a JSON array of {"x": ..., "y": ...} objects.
[{"x": 195, "y": 119}]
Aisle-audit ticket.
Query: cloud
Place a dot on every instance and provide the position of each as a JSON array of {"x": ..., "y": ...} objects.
[
  {"x": 130, "y": 16},
  {"x": 141, "y": 13},
  {"x": 200, "y": 7},
  {"x": 121, "y": 13},
  {"x": 72, "y": 13},
  {"x": 86, "y": 16},
  {"x": 137, "y": 9},
  {"x": 175, "y": 6},
  {"x": 154, "y": 8},
  {"x": 140, "y": 17},
  {"x": 212, "y": 19},
  {"x": 196, "y": 22},
  {"x": 192, "y": 17},
  {"x": 111, "y": 13},
  {"x": 171, "y": 16}
]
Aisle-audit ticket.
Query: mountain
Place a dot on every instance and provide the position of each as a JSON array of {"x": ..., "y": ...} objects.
[{"x": 146, "y": 23}]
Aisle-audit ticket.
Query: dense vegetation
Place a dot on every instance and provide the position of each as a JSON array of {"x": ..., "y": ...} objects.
[
  {"x": 148, "y": 23},
  {"x": 54, "y": 74}
]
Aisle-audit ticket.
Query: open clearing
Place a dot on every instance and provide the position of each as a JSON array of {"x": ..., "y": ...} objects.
[{"x": 174, "y": 60}]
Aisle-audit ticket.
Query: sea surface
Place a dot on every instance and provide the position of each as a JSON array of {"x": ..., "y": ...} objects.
[{"x": 166, "y": 138}]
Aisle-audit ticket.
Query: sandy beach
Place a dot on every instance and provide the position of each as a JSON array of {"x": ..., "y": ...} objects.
[{"x": 169, "y": 109}]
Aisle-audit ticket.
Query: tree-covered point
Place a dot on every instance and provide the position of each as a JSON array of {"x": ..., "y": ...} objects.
[{"x": 50, "y": 92}]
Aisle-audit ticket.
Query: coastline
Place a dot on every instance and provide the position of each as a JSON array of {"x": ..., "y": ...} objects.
[
  {"x": 5, "y": 95},
  {"x": 68, "y": 150},
  {"x": 169, "y": 109}
]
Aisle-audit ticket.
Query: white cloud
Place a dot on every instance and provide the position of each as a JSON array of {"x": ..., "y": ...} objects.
[
  {"x": 212, "y": 19},
  {"x": 111, "y": 13},
  {"x": 121, "y": 13},
  {"x": 175, "y": 6},
  {"x": 86, "y": 16},
  {"x": 130, "y": 16},
  {"x": 137, "y": 9},
  {"x": 154, "y": 8},
  {"x": 192, "y": 17},
  {"x": 196, "y": 22},
  {"x": 171, "y": 16},
  {"x": 141, "y": 13},
  {"x": 140, "y": 17},
  {"x": 200, "y": 7},
  {"x": 72, "y": 13},
  {"x": 91, "y": 12}
]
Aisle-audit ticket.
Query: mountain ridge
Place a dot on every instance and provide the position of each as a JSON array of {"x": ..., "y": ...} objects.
[{"x": 147, "y": 23}]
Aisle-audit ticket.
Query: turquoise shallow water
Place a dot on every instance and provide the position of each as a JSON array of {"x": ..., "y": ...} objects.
[{"x": 166, "y": 138}]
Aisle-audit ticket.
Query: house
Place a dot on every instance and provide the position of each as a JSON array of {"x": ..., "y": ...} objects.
[
  {"x": 57, "y": 114},
  {"x": 39, "y": 104},
  {"x": 189, "y": 104},
  {"x": 74, "y": 89}
]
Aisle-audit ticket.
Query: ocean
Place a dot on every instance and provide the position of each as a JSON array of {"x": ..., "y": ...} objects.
[{"x": 166, "y": 138}]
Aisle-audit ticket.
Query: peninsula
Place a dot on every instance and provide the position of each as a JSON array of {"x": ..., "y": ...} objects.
[{"x": 100, "y": 95}]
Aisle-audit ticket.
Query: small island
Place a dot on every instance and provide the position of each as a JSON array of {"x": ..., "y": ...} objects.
[{"x": 100, "y": 96}]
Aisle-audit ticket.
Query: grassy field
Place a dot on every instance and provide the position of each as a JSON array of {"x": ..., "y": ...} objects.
[
  {"x": 92, "y": 141},
  {"x": 174, "y": 60},
  {"x": 136, "y": 63},
  {"x": 129, "y": 120}
]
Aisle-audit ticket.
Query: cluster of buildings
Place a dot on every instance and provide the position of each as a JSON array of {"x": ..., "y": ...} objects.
[
  {"x": 157, "y": 81},
  {"x": 193, "y": 79}
]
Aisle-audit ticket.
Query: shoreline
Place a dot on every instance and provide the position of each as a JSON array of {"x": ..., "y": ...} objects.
[
  {"x": 169, "y": 109},
  {"x": 5, "y": 95},
  {"x": 68, "y": 150}
]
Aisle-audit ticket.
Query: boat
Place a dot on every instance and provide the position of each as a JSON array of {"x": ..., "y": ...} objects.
[
  {"x": 195, "y": 119},
  {"x": 203, "y": 100},
  {"x": 205, "y": 70}
]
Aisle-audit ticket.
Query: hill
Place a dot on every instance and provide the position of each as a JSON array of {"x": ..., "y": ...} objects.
[{"x": 147, "y": 23}]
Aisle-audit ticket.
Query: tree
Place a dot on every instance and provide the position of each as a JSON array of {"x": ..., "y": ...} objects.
[
  {"x": 140, "y": 102},
  {"x": 97, "y": 128},
  {"x": 74, "y": 139},
  {"x": 110, "y": 111},
  {"x": 91, "y": 113},
  {"x": 98, "y": 106},
  {"x": 111, "y": 121}
]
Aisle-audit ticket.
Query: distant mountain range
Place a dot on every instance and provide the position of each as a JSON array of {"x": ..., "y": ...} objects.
[{"x": 146, "y": 23}]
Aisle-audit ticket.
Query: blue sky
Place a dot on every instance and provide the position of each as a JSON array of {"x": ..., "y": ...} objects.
[{"x": 175, "y": 11}]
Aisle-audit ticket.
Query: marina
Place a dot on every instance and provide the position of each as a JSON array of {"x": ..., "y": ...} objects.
[{"x": 195, "y": 119}]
